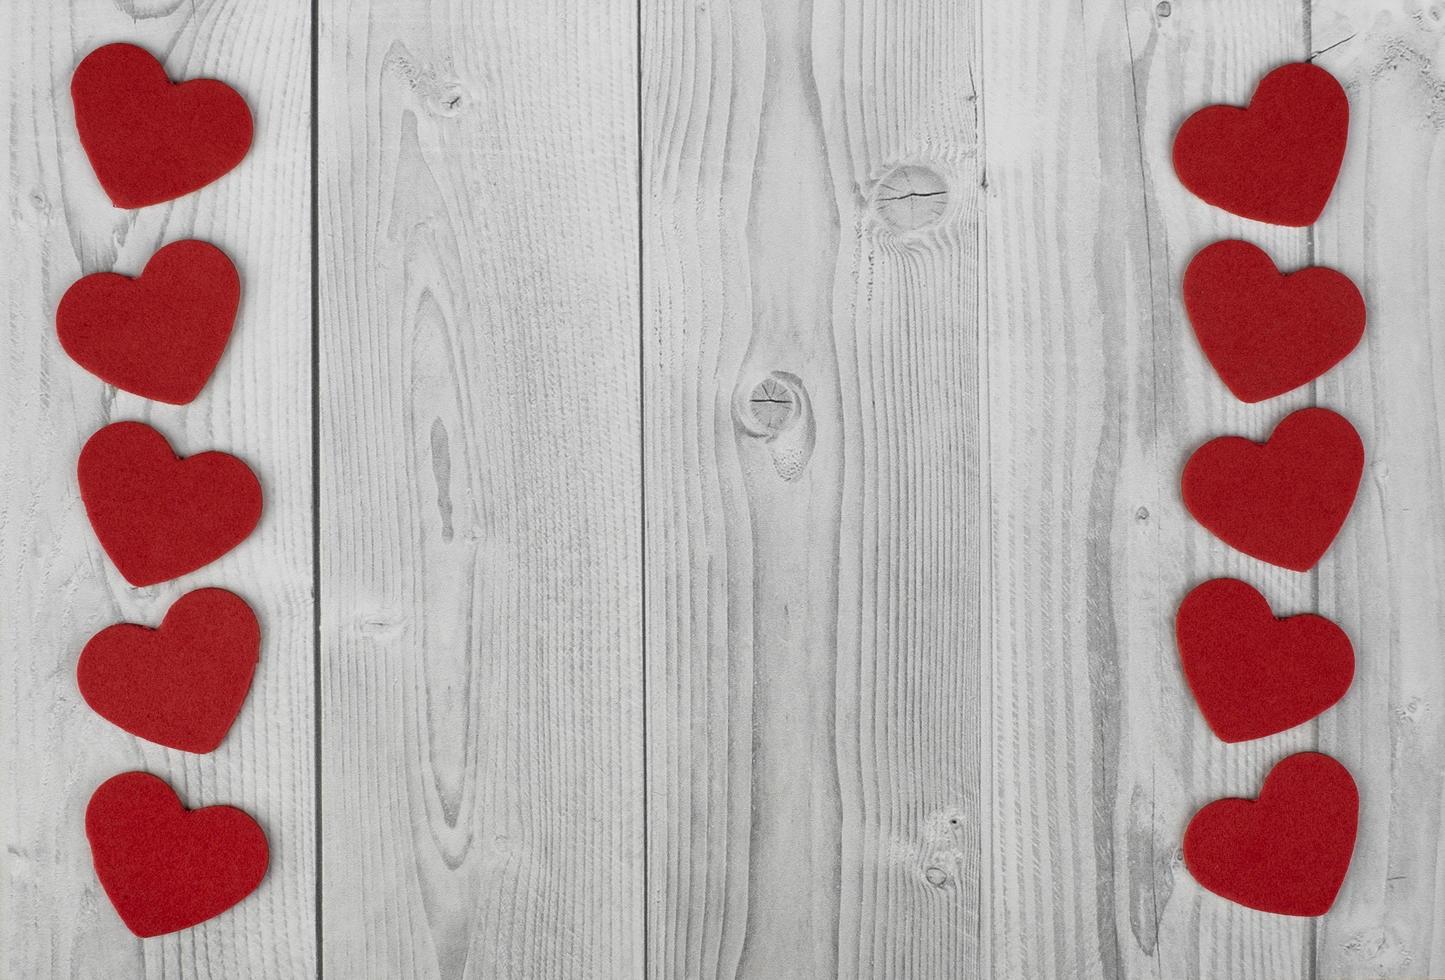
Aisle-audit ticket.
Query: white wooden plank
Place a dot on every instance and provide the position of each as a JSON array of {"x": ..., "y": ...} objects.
[
  {"x": 1383, "y": 228},
  {"x": 813, "y": 501},
  {"x": 482, "y": 750},
  {"x": 1096, "y": 395},
  {"x": 59, "y": 588}
]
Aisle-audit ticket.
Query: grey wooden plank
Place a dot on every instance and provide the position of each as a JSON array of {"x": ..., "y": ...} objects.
[
  {"x": 482, "y": 754},
  {"x": 59, "y": 588},
  {"x": 811, "y": 313},
  {"x": 1096, "y": 394},
  {"x": 1383, "y": 583}
]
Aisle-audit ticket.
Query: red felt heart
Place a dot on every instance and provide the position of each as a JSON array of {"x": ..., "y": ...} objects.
[
  {"x": 1267, "y": 333},
  {"x": 159, "y": 516},
  {"x": 180, "y": 685},
  {"x": 1254, "y": 675},
  {"x": 149, "y": 139},
  {"x": 1282, "y": 501},
  {"x": 164, "y": 867},
  {"x": 1286, "y": 852},
  {"x": 160, "y": 335},
  {"x": 1278, "y": 159}
]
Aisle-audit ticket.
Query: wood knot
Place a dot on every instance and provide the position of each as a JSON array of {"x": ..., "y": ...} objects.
[
  {"x": 772, "y": 404},
  {"x": 445, "y": 98},
  {"x": 910, "y": 197},
  {"x": 440, "y": 92},
  {"x": 776, "y": 410},
  {"x": 1163, "y": 9},
  {"x": 380, "y": 622}
]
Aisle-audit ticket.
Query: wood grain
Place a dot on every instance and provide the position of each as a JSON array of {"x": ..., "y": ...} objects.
[
  {"x": 1383, "y": 228},
  {"x": 59, "y": 587},
  {"x": 889, "y": 361},
  {"x": 482, "y": 754},
  {"x": 1097, "y": 393},
  {"x": 811, "y": 320}
]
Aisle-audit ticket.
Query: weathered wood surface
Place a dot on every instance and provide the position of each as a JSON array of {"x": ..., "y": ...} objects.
[
  {"x": 1386, "y": 227},
  {"x": 480, "y": 537},
  {"x": 58, "y": 587},
  {"x": 748, "y": 460},
  {"x": 1097, "y": 394},
  {"x": 813, "y": 488}
]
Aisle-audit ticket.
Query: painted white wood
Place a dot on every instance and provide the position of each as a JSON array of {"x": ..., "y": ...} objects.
[
  {"x": 1097, "y": 393},
  {"x": 1384, "y": 228},
  {"x": 812, "y": 324},
  {"x": 58, "y": 586},
  {"x": 481, "y": 610}
]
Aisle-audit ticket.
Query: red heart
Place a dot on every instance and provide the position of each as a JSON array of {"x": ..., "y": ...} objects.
[
  {"x": 1285, "y": 500},
  {"x": 1254, "y": 675},
  {"x": 160, "y": 335},
  {"x": 1278, "y": 159},
  {"x": 159, "y": 516},
  {"x": 149, "y": 139},
  {"x": 1286, "y": 852},
  {"x": 180, "y": 685},
  {"x": 1267, "y": 333},
  {"x": 164, "y": 867}
]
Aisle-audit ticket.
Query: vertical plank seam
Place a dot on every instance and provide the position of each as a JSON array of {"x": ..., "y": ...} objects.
[
  {"x": 316, "y": 466},
  {"x": 642, "y": 503},
  {"x": 1307, "y": 16},
  {"x": 983, "y": 728}
]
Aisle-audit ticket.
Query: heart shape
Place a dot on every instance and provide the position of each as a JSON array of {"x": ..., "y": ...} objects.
[
  {"x": 1253, "y": 674},
  {"x": 159, "y": 516},
  {"x": 1286, "y": 852},
  {"x": 182, "y": 684},
  {"x": 1282, "y": 501},
  {"x": 1264, "y": 332},
  {"x": 159, "y": 335},
  {"x": 1276, "y": 160},
  {"x": 151, "y": 140},
  {"x": 164, "y": 867}
]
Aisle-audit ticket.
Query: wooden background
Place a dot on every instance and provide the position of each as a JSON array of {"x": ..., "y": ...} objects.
[{"x": 722, "y": 465}]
